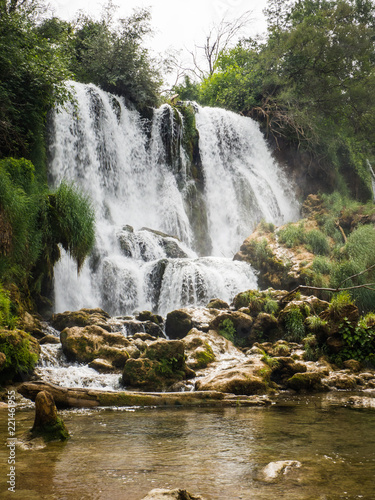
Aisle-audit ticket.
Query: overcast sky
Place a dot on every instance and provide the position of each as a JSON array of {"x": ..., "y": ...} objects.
[{"x": 177, "y": 23}]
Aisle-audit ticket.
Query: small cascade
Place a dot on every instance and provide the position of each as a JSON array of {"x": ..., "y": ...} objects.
[
  {"x": 166, "y": 228},
  {"x": 54, "y": 368}
]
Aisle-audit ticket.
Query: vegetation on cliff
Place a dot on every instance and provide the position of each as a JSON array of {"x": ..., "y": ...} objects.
[{"x": 310, "y": 83}]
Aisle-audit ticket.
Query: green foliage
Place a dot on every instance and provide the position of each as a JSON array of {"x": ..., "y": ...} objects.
[
  {"x": 166, "y": 366},
  {"x": 359, "y": 342},
  {"x": 112, "y": 56},
  {"x": 272, "y": 362},
  {"x": 322, "y": 265},
  {"x": 20, "y": 356},
  {"x": 7, "y": 317},
  {"x": 271, "y": 306},
  {"x": 294, "y": 324},
  {"x": 315, "y": 323},
  {"x": 227, "y": 329},
  {"x": 72, "y": 221},
  {"x": 292, "y": 235},
  {"x": 317, "y": 242},
  {"x": 33, "y": 72}
]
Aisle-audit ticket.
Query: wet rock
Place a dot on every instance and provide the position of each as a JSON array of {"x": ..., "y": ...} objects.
[
  {"x": 343, "y": 381},
  {"x": 82, "y": 318},
  {"x": 47, "y": 424},
  {"x": 284, "y": 368},
  {"x": 149, "y": 316},
  {"x": 361, "y": 402},
  {"x": 307, "y": 382},
  {"x": 198, "y": 350},
  {"x": 85, "y": 344},
  {"x": 49, "y": 339},
  {"x": 235, "y": 326},
  {"x": 161, "y": 494},
  {"x": 266, "y": 327},
  {"x": 217, "y": 304},
  {"x": 3, "y": 359},
  {"x": 178, "y": 324},
  {"x": 101, "y": 365},
  {"x": 274, "y": 471}
]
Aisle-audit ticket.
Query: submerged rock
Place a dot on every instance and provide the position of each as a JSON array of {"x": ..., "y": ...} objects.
[
  {"x": 161, "y": 494},
  {"x": 276, "y": 470}
]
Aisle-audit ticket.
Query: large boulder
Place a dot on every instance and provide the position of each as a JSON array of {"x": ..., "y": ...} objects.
[
  {"x": 235, "y": 326},
  {"x": 83, "y": 317},
  {"x": 179, "y": 322},
  {"x": 160, "y": 366},
  {"x": 85, "y": 344},
  {"x": 245, "y": 378}
]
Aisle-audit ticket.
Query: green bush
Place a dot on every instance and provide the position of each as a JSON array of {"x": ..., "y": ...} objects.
[
  {"x": 294, "y": 324},
  {"x": 21, "y": 353},
  {"x": 227, "y": 329},
  {"x": 317, "y": 242},
  {"x": 292, "y": 235}
]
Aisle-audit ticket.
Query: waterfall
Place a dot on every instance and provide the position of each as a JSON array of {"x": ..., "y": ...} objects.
[{"x": 166, "y": 227}]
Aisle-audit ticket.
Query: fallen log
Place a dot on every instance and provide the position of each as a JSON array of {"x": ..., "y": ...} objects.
[{"x": 88, "y": 398}]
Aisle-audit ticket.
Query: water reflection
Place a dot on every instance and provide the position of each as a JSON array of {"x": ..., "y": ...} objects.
[{"x": 218, "y": 453}]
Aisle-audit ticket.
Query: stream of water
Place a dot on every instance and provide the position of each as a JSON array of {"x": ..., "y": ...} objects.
[{"x": 122, "y": 454}]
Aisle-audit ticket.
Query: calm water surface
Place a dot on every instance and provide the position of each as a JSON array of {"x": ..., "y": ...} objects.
[{"x": 218, "y": 453}]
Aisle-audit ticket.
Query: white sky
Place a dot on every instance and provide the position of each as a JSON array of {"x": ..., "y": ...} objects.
[{"x": 176, "y": 23}]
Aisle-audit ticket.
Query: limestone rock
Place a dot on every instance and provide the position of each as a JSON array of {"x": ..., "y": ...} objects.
[
  {"x": 82, "y": 318},
  {"x": 85, "y": 344},
  {"x": 276, "y": 470},
  {"x": 178, "y": 324},
  {"x": 217, "y": 304},
  {"x": 242, "y": 379},
  {"x": 32, "y": 325},
  {"x": 307, "y": 382},
  {"x": 101, "y": 365}
]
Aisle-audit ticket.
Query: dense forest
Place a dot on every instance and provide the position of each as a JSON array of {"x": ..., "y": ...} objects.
[{"x": 310, "y": 83}]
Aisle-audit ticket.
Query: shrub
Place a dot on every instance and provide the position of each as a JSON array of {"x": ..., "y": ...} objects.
[
  {"x": 292, "y": 235},
  {"x": 317, "y": 242},
  {"x": 227, "y": 329},
  {"x": 294, "y": 324},
  {"x": 21, "y": 353}
]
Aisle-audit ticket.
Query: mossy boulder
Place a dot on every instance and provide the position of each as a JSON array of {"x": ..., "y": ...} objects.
[
  {"x": 83, "y": 317},
  {"x": 85, "y": 344},
  {"x": 149, "y": 316},
  {"x": 178, "y": 324},
  {"x": 47, "y": 424},
  {"x": 235, "y": 326},
  {"x": 21, "y": 351},
  {"x": 284, "y": 368},
  {"x": 177, "y": 494},
  {"x": 217, "y": 304},
  {"x": 307, "y": 382},
  {"x": 160, "y": 366},
  {"x": 199, "y": 353}
]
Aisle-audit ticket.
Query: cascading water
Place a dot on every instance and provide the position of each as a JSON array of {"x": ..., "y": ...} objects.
[{"x": 153, "y": 216}]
